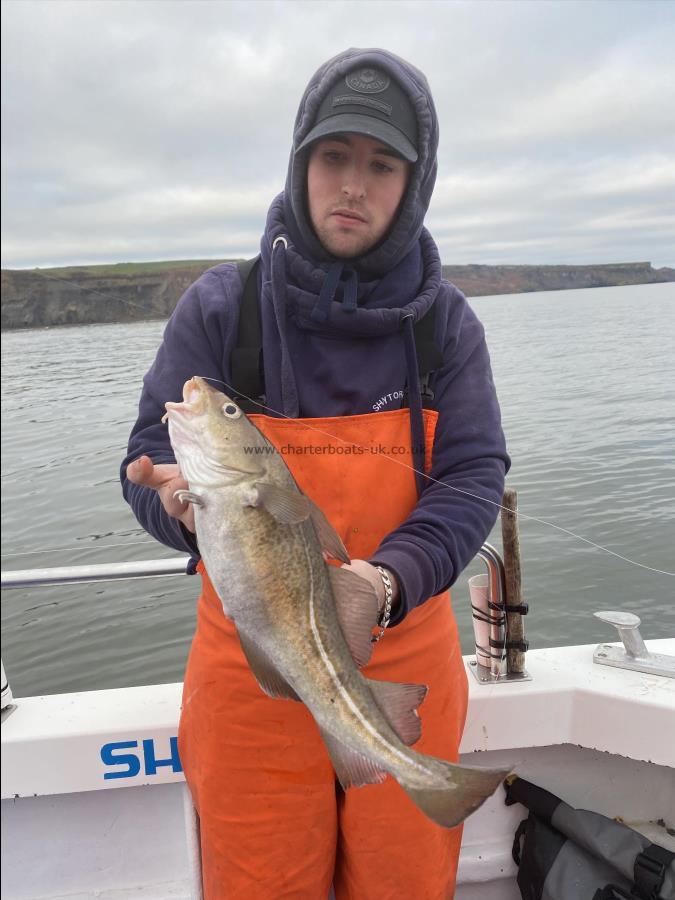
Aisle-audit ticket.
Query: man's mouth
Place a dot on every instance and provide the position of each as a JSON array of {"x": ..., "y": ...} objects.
[{"x": 348, "y": 214}]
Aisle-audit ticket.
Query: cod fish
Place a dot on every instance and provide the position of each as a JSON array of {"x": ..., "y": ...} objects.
[{"x": 304, "y": 625}]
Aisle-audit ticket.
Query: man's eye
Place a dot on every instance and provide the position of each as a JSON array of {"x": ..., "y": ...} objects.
[
  {"x": 382, "y": 167},
  {"x": 332, "y": 156}
]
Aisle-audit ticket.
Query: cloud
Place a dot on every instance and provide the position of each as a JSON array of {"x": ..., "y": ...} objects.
[
  {"x": 149, "y": 130},
  {"x": 557, "y": 211}
]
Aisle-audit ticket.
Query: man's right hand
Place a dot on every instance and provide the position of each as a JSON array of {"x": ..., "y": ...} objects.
[{"x": 166, "y": 479}]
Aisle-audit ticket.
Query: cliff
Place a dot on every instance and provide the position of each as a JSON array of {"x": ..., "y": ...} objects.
[
  {"x": 478, "y": 281},
  {"x": 80, "y": 295},
  {"x": 127, "y": 292}
]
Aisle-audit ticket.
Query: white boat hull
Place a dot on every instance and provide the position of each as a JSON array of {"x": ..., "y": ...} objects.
[{"x": 94, "y": 803}]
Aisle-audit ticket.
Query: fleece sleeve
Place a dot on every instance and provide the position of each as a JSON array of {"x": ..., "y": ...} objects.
[
  {"x": 456, "y": 510},
  {"x": 198, "y": 340}
]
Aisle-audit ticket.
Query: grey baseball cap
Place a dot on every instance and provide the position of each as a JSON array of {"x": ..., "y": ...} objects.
[{"x": 368, "y": 101}]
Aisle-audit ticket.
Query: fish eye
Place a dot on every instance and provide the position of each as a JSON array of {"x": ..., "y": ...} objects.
[{"x": 231, "y": 411}]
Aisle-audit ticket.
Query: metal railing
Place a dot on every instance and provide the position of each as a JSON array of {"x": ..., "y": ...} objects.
[
  {"x": 149, "y": 568},
  {"x": 157, "y": 568}
]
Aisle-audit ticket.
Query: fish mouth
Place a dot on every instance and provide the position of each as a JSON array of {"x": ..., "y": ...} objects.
[
  {"x": 195, "y": 393},
  {"x": 189, "y": 436},
  {"x": 192, "y": 391}
]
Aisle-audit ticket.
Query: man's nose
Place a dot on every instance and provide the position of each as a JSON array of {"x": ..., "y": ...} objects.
[{"x": 354, "y": 183}]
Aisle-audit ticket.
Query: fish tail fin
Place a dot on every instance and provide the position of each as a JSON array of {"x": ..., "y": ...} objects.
[{"x": 459, "y": 791}]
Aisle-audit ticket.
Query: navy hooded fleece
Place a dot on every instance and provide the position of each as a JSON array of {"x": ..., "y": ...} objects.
[{"x": 336, "y": 337}]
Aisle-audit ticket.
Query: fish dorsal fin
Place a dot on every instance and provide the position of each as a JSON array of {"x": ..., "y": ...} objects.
[
  {"x": 352, "y": 769},
  {"x": 329, "y": 539},
  {"x": 288, "y": 506},
  {"x": 266, "y": 675},
  {"x": 399, "y": 704},
  {"x": 357, "y": 611}
]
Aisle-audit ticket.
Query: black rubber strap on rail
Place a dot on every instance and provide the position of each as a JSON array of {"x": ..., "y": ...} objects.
[
  {"x": 522, "y": 608},
  {"x": 510, "y": 645}
]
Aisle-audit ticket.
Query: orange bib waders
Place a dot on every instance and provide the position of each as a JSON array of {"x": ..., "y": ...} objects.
[{"x": 274, "y": 823}]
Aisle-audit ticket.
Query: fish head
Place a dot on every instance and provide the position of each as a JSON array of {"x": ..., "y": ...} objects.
[{"x": 214, "y": 442}]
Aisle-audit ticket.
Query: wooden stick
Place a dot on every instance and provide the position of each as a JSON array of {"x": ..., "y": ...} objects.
[{"x": 511, "y": 545}]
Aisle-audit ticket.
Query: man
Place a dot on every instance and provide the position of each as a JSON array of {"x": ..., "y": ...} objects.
[{"x": 357, "y": 330}]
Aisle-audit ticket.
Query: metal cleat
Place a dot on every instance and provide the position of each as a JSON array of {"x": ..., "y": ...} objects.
[{"x": 634, "y": 654}]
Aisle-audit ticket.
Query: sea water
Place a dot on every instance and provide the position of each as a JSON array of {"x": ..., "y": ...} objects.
[{"x": 585, "y": 381}]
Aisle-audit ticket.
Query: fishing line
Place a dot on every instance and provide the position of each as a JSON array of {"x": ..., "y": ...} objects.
[
  {"x": 521, "y": 515},
  {"x": 399, "y": 462},
  {"x": 75, "y": 549}
]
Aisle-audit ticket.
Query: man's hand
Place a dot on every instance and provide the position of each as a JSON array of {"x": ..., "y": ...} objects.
[
  {"x": 166, "y": 479},
  {"x": 366, "y": 570}
]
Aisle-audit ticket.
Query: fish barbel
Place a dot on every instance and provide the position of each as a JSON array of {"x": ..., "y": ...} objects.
[{"x": 304, "y": 625}]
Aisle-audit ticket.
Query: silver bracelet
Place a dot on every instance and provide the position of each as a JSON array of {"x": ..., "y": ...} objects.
[{"x": 388, "y": 600}]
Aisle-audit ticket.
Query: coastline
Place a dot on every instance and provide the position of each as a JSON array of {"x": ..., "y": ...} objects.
[{"x": 131, "y": 292}]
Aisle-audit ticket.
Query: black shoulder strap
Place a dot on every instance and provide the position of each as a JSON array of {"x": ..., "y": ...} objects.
[
  {"x": 246, "y": 358},
  {"x": 428, "y": 354},
  {"x": 429, "y": 357}
]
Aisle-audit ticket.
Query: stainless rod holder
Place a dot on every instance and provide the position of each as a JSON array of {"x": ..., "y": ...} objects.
[{"x": 497, "y": 672}]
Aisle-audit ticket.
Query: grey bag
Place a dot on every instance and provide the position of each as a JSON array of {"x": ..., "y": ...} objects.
[{"x": 573, "y": 854}]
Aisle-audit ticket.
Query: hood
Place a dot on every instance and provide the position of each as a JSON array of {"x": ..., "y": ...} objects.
[{"x": 407, "y": 227}]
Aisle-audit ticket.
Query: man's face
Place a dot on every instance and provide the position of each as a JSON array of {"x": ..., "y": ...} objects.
[{"x": 354, "y": 187}]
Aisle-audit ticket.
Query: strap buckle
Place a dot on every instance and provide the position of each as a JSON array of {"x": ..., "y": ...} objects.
[{"x": 648, "y": 875}]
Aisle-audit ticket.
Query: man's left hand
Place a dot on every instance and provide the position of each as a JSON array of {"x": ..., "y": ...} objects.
[{"x": 366, "y": 570}]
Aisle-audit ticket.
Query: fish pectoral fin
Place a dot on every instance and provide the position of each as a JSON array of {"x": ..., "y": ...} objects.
[
  {"x": 269, "y": 679},
  {"x": 289, "y": 507},
  {"x": 329, "y": 540},
  {"x": 399, "y": 704},
  {"x": 357, "y": 611},
  {"x": 352, "y": 769},
  {"x": 189, "y": 497}
]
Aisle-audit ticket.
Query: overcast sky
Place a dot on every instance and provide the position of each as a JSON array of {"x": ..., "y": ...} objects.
[{"x": 161, "y": 129}]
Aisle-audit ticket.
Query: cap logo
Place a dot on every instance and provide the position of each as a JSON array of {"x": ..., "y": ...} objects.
[{"x": 368, "y": 81}]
